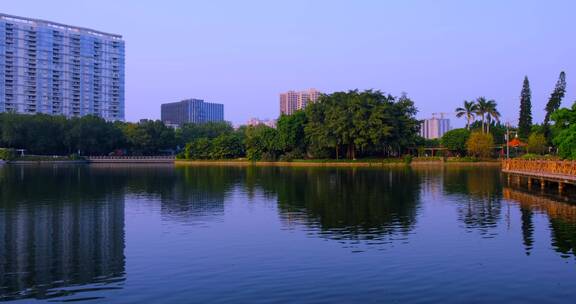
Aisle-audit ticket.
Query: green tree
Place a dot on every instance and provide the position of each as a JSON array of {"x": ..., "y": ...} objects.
[
  {"x": 361, "y": 122},
  {"x": 262, "y": 143},
  {"x": 491, "y": 114},
  {"x": 192, "y": 131},
  {"x": 291, "y": 133},
  {"x": 455, "y": 140},
  {"x": 554, "y": 103},
  {"x": 469, "y": 110},
  {"x": 227, "y": 146},
  {"x": 537, "y": 144},
  {"x": 525, "y": 120},
  {"x": 564, "y": 131},
  {"x": 480, "y": 144}
]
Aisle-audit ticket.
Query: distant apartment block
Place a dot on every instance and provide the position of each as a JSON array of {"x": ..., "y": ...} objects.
[
  {"x": 57, "y": 69},
  {"x": 267, "y": 122},
  {"x": 293, "y": 101},
  {"x": 191, "y": 111},
  {"x": 434, "y": 127}
]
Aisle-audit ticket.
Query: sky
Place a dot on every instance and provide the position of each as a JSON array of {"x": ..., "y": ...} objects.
[{"x": 244, "y": 53}]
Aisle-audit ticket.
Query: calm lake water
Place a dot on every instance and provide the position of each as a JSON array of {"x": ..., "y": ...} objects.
[{"x": 158, "y": 234}]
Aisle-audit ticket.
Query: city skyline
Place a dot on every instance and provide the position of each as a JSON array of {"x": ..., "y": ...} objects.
[{"x": 456, "y": 56}]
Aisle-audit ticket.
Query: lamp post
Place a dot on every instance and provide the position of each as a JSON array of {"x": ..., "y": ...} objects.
[{"x": 507, "y": 140}]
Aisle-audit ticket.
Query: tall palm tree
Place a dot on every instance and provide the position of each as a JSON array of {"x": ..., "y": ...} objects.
[
  {"x": 482, "y": 109},
  {"x": 492, "y": 113},
  {"x": 469, "y": 110}
]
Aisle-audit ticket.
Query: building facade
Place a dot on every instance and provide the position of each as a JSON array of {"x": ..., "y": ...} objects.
[
  {"x": 293, "y": 101},
  {"x": 267, "y": 122},
  {"x": 191, "y": 111},
  {"x": 57, "y": 69},
  {"x": 434, "y": 127}
]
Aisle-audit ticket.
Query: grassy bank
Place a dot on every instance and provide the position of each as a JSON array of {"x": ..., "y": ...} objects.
[{"x": 339, "y": 163}]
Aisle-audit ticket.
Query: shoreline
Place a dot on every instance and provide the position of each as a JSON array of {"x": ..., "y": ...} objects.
[{"x": 245, "y": 163}]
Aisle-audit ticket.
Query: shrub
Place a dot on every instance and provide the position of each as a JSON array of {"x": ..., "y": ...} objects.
[
  {"x": 537, "y": 144},
  {"x": 408, "y": 159},
  {"x": 455, "y": 140},
  {"x": 7, "y": 154},
  {"x": 480, "y": 144}
]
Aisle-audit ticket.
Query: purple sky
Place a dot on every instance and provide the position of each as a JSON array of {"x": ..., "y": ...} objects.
[{"x": 244, "y": 53}]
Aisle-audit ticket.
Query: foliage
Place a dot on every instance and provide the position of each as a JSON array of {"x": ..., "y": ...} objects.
[
  {"x": 7, "y": 154},
  {"x": 365, "y": 122},
  {"x": 408, "y": 159},
  {"x": 262, "y": 143},
  {"x": 291, "y": 133},
  {"x": 525, "y": 120},
  {"x": 564, "y": 131},
  {"x": 90, "y": 135},
  {"x": 537, "y": 144},
  {"x": 455, "y": 140},
  {"x": 191, "y": 131},
  {"x": 554, "y": 103},
  {"x": 469, "y": 111},
  {"x": 148, "y": 137},
  {"x": 480, "y": 144}
]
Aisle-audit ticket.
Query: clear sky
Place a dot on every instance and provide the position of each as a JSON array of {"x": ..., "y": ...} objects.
[{"x": 244, "y": 53}]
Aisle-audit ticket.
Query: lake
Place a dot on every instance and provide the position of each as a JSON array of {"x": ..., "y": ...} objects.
[{"x": 163, "y": 234}]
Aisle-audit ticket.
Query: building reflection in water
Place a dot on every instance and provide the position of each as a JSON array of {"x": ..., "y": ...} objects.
[
  {"x": 60, "y": 229},
  {"x": 561, "y": 216}
]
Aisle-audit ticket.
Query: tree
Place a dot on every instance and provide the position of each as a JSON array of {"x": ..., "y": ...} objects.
[
  {"x": 537, "y": 144},
  {"x": 262, "y": 143},
  {"x": 227, "y": 146},
  {"x": 192, "y": 131},
  {"x": 363, "y": 123},
  {"x": 469, "y": 111},
  {"x": 554, "y": 103},
  {"x": 491, "y": 113},
  {"x": 525, "y": 120},
  {"x": 480, "y": 144},
  {"x": 481, "y": 109},
  {"x": 291, "y": 132},
  {"x": 455, "y": 140},
  {"x": 564, "y": 131}
]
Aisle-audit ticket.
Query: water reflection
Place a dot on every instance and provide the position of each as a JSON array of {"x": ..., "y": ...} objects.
[
  {"x": 59, "y": 228},
  {"x": 345, "y": 204},
  {"x": 479, "y": 197},
  {"x": 561, "y": 217},
  {"x": 62, "y": 233}
]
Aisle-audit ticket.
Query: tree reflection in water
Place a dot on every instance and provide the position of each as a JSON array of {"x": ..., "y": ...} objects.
[{"x": 561, "y": 216}]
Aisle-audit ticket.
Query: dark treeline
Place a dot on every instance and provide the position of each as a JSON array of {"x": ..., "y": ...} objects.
[
  {"x": 89, "y": 135},
  {"x": 343, "y": 124}
]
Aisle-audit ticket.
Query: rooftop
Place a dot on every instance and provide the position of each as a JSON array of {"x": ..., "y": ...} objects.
[{"x": 58, "y": 26}]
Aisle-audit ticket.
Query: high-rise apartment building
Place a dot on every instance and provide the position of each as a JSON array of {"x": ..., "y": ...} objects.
[
  {"x": 293, "y": 101},
  {"x": 57, "y": 69},
  {"x": 256, "y": 121},
  {"x": 191, "y": 111},
  {"x": 434, "y": 127}
]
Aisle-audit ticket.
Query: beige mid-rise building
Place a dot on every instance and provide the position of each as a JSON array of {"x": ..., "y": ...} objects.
[{"x": 293, "y": 101}]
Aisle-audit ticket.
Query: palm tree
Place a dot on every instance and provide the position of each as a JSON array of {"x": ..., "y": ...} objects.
[
  {"x": 492, "y": 113},
  {"x": 482, "y": 109},
  {"x": 469, "y": 110}
]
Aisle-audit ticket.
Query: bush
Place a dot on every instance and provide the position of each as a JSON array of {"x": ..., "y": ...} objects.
[
  {"x": 7, "y": 154},
  {"x": 480, "y": 144},
  {"x": 408, "y": 159},
  {"x": 537, "y": 144},
  {"x": 455, "y": 140}
]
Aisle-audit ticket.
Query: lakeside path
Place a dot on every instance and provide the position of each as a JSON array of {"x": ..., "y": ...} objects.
[{"x": 329, "y": 163}]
